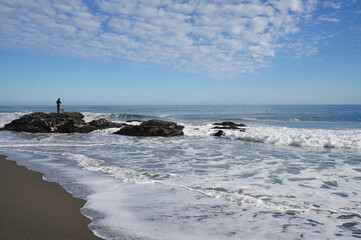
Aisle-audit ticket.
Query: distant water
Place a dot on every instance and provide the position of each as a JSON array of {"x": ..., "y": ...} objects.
[{"x": 294, "y": 174}]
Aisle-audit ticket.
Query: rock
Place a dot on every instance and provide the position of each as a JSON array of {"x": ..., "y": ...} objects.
[
  {"x": 103, "y": 123},
  {"x": 349, "y": 216},
  {"x": 153, "y": 128},
  {"x": 230, "y": 126},
  {"x": 220, "y": 189},
  {"x": 219, "y": 133},
  {"x": 68, "y": 122}
]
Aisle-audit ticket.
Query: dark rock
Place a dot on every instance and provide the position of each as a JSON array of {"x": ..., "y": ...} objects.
[
  {"x": 220, "y": 189},
  {"x": 153, "y": 128},
  {"x": 68, "y": 122},
  {"x": 219, "y": 133},
  {"x": 230, "y": 126},
  {"x": 349, "y": 216},
  {"x": 44, "y": 122},
  {"x": 103, "y": 123}
]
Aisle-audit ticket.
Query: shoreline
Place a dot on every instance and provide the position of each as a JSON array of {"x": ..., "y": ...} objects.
[{"x": 31, "y": 208}]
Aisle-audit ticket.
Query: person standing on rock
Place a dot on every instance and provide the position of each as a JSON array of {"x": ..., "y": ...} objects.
[{"x": 58, "y": 105}]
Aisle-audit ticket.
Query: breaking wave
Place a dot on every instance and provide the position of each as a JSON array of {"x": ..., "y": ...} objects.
[
  {"x": 349, "y": 139},
  {"x": 300, "y": 137}
]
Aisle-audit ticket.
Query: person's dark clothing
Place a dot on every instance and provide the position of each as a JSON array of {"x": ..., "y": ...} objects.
[{"x": 58, "y": 105}]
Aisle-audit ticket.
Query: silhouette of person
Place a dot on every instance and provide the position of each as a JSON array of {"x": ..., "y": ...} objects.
[{"x": 58, "y": 105}]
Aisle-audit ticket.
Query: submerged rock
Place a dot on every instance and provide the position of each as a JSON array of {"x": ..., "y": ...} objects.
[
  {"x": 349, "y": 216},
  {"x": 153, "y": 128},
  {"x": 68, "y": 122},
  {"x": 218, "y": 133},
  {"x": 219, "y": 189},
  {"x": 230, "y": 126}
]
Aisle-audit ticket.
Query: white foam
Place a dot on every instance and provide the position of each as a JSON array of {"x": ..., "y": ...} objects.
[
  {"x": 131, "y": 176},
  {"x": 96, "y": 165},
  {"x": 164, "y": 115},
  {"x": 89, "y": 116},
  {"x": 198, "y": 130},
  {"x": 8, "y": 117},
  {"x": 248, "y": 201},
  {"x": 300, "y": 137}
]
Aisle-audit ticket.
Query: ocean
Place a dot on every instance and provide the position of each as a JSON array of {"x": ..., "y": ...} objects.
[{"x": 295, "y": 173}]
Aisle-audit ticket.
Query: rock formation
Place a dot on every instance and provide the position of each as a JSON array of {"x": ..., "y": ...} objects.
[
  {"x": 103, "y": 123},
  {"x": 227, "y": 126},
  {"x": 68, "y": 122},
  {"x": 153, "y": 128}
]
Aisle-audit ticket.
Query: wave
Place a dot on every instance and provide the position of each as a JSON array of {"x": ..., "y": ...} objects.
[
  {"x": 8, "y": 117},
  {"x": 300, "y": 137},
  {"x": 266, "y": 202},
  {"x": 349, "y": 139},
  {"x": 126, "y": 175},
  {"x": 239, "y": 198},
  {"x": 122, "y": 117},
  {"x": 88, "y": 116},
  {"x": 131, "y": 176},
  {"x": 92, "y": 164}
]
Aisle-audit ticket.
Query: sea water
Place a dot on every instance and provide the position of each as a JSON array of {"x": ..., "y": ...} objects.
[{"x": 295, "y": 173}]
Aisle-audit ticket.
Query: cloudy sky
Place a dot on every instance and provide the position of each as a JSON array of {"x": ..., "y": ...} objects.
[{"x": 180, "y": 51}]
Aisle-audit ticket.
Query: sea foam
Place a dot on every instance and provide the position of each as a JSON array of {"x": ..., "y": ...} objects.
[
  {"x": 350, "y": 139},
  {"x": 300, "y": 137}
]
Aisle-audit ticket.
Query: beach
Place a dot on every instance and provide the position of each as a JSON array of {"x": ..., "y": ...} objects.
[{"x": 32, "y": 208}]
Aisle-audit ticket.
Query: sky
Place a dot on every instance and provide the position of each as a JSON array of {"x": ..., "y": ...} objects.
[{"x": 180, "y": 52}]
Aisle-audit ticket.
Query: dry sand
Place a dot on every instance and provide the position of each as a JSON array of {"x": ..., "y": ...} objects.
[{"x": 31, "y": 208}]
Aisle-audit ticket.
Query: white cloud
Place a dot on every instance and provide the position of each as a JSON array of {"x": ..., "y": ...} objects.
[
  {"x": 328, "y": 19},
  {"x": 210, "y": 37},
  {"x": 335, "y": 5}
]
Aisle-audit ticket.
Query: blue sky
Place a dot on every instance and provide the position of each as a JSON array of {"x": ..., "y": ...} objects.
[{"x": 180, "y": 52}]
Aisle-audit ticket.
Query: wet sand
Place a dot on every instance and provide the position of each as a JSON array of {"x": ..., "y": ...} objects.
[{"x": 31, "y": 208}]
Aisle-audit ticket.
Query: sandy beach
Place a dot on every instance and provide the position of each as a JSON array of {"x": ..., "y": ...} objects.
[{"x": 31, "y": 208}]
